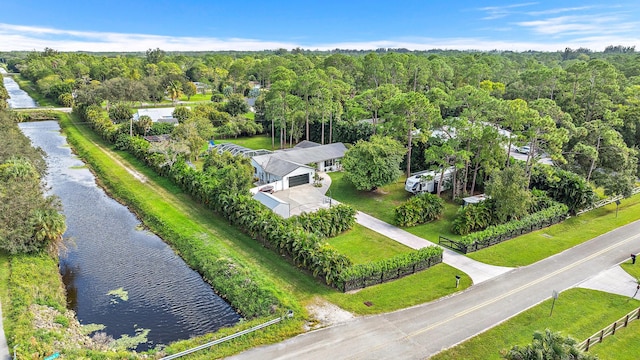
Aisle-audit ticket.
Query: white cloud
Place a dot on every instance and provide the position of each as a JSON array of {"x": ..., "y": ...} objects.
[
  {"x": 580, "y": 25},
  {"x": 16, "y": 37},
  {"x": 559, "y": 10},
  {"x": 497, "y": 12}
]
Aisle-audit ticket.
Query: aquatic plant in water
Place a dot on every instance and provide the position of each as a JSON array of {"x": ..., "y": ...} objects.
[
  {"x": 118, "y": 293},
  {"x": 131, "y": 342}
]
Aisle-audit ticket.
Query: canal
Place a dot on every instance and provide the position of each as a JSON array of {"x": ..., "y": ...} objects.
[
  {"x": 116, "y": 273},
  {"x": 18, "y": 98}
]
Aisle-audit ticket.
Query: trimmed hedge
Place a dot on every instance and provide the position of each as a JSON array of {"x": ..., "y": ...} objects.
[
  {"x": 363, "y": 275},
  {"x": 419, "y": 209},
  {"x": 546, "y": 217}
]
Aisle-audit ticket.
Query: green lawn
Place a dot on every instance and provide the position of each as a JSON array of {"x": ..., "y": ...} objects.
[
  {"x": 624, "y": 345},
  {"x": 535, "y": 246},
  {"x": 382, "y": 202},
  {"x": 432, "y": 230},
  {"x": 362, "y": 245},
  {"x": 632, "y": 269},
  {"x": 196, "y": 97},
  {"x": 254, "y": 142},
  {"x": 379, "y": 203},
  {"x": 577, "y": 312},
  {"x": 425, "y": 286}
]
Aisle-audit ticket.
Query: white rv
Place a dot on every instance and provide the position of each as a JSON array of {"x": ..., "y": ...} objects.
[{"x": 427, "y": 181}]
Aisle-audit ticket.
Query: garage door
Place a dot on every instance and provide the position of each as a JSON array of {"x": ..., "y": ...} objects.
[{"x": 298, "y": 180}]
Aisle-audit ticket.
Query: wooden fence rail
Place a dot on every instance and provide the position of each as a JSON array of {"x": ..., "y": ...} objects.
[
  {"x": 607, "y": 201},
  {"x": 601, "y": 203},
  {"x": 609, "y": 330}
]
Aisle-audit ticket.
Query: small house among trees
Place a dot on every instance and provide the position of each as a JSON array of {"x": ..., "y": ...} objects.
[
  {"x": 160, "y": 115},
  {"x": 297, "y": 166}
]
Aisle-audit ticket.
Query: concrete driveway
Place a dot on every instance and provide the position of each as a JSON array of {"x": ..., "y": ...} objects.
[{"x": 307, "y": 198}]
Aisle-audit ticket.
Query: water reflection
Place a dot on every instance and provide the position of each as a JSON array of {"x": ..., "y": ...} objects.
[
  {"x": 111, "y": 252},
  {"x": 19, "y": 99}
]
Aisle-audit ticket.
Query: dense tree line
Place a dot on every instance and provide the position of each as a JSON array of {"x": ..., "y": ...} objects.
[
  {"x": 447, "y": 108},
  {"x": 30, "y": 221}
]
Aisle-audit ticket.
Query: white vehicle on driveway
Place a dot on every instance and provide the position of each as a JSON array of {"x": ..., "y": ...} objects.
[{"x": 526, "y": 149}]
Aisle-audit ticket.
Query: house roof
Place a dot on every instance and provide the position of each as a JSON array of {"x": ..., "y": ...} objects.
[
  {"x": 156, "y": 114},
  {"x": 168, "y": 120},
  {"x": 268, "y": 200},
  {"x": 276, "y": 166},
  {"x": 313, "y": 154},
  {"x": 281, "y": 163},
  {"x": 306, "y": 144}
]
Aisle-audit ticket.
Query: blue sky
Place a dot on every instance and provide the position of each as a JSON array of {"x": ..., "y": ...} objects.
[{"x": 137, "y": 25}]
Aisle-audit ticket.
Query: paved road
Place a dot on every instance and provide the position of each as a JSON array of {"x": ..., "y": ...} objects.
[
  {"x": 61, "y": 109},
  {"x": 424, "y": 330}
]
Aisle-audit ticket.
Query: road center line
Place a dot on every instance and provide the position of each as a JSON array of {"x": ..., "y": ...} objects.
[{"x": 511, "y": 292}]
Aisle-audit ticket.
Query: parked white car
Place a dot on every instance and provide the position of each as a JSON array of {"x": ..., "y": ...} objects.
[{"x": 526, "y": 149}]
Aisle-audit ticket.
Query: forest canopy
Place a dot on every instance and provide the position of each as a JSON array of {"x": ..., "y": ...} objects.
[{"x": 449, "y": 108}]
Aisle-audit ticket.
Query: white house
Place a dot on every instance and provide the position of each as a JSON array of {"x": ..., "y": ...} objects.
[
  {"x": 297, "y": 166},
  {"x": 162, "y": 115}
]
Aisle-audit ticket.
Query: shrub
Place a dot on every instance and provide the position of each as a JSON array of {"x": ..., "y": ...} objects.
[
  {"x": 120, "y": 112},
  {"x": 563, "y": 186},
  {"x": 474, "y": 217},
  {"x": 65, "y": 99},
  {"x": 217, "y": 97},
  {"x": 419, "y": 209}
]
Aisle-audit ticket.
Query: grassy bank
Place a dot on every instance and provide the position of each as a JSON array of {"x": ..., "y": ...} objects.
[
  {"x": 577, "y": 312},
  {"x": 31, "y": 291}
]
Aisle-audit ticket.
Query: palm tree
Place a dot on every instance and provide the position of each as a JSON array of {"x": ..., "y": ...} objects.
[
  {"x": 49, "y": 225},
  {"x": 175, "y": 90},
  {"x": 549, "y": 346}
]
